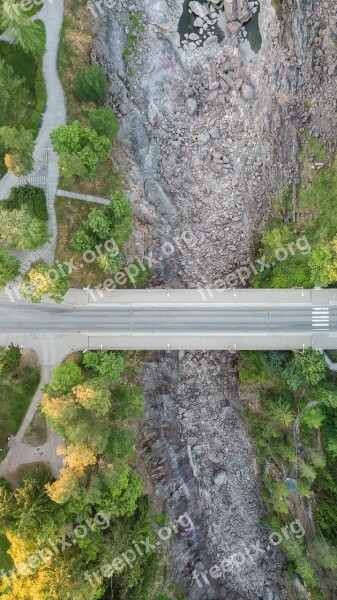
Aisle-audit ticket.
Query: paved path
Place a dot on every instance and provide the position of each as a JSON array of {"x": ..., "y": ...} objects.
[
  {"x": 84, "y": 197},
  {"x": 45, "y": 159},
  {"x": 178, "y": 319}
]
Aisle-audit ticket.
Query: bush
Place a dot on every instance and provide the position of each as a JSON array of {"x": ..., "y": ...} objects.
[
  {"x": 104, "y": 122},
  {"x": 91, "y": 85},
  {"x": 33, "y": 198},
  {"x": 9, "y": 268}
]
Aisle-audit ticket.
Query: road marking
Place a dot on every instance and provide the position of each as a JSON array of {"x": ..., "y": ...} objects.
[{"x": 320, "y": 318}]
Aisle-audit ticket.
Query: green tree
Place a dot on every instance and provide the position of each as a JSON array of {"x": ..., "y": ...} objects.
[
  {"x": 18, "y": 145},
  {"x": 320, "y": 263},
  {"x": 306, "y": 367},
  {"x": 104, "y": 122},
  {"x": 91, "y": 85},
  {"x": 312, "y": 417},
  {"x": 20, "y": 230},
  {"x": 82, "y": 241},
  {"x": 281, "y": 414},
  {"x": 90, "y": 149},
  {"x": 110, "y": 264},
  {"x": 11, "y": 357},
  {"x": 17, "y": 25},
  {"x": 42, "y": 280},
  {"x": 108, "y": 365},
  {"x": 65, "y": 377},
  {"x": 99, "y": 224},
  {"x": 9, "y": 268},
  {"x": 13, "y": 95},
  {"x": 325, "y": 553},
  {"x": 128, "y": 402},
  {"x": 33, "y": 198}
]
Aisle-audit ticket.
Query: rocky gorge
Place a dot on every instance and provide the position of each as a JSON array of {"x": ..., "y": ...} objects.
[{"x": 210, "y": 130}]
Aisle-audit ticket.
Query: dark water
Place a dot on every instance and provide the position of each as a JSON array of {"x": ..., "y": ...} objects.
[
  {"x": 253, "y": 32},
  {"x": 186, "y": 23}
]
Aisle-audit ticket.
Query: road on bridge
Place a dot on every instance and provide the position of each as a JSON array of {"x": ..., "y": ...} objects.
[{"x": 181, "y": 319}]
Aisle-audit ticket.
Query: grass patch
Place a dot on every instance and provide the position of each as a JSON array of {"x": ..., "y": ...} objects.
[
  {"x": 16, "y": 393},
  {"x": 36, "y": 434},
  {"x": 70, "y": 215},
  {"x": 74, "y": 54},
  {"x": 277, "y": 4}
]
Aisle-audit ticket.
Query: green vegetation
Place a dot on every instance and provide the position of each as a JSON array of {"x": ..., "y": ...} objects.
[
  {"x": 33, "y": 198},
  {"x": 91, "y": 85},
  {"x": 104, "y": 122},
  {"x": 89, "y": 402},
  {"x": 22, "y": 98},
  {"x": 291, "y": 405},
  {"x": 135, "y": 35},
  {"x": 9, "y": 268},
  {"x": 80, "y": 149},
  {"x": 18, "y": 384},
  {"x": 42, "y": 280},
  {"x": 20, "y": 230},
  {"x": 16, "y": 25},
  {"x": 311, "y": 245}
]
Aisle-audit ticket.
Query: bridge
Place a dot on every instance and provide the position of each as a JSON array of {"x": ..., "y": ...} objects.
[{"x": 180, "y": 319}]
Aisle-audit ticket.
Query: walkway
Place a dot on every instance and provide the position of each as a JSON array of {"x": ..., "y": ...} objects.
[
  {"x": 84, "y": 197},
  {"x": 46, "y": 170}
]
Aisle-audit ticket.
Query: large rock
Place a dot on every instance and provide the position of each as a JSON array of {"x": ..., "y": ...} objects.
[
  {"x": 199, "y": 10},
  {"x": 191, "y": 106},
  {"x": 220, "y": 478},
  {"x": 237, "y": 10},
  {"x": 248, "y": 92},
  {"x": 244, "y": 12},
  {"x": 233, "y": 28},
  {"x": 203, "y": 138},
  {"x": 210, "y": 41}
]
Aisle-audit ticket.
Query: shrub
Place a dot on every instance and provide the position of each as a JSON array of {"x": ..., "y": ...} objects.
[
  {"x": 9, "y": 268},
  {"x": 33, "y": 198},
  {"x": 91, "y": 85},
  {"x": 104, "y": 122}
]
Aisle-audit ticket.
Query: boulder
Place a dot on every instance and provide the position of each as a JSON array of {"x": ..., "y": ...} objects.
[
  {"x": 220, "y": 478},
  {"x": 248, "y": 92},
  {"x": 203, "y": 138},
  {"x": 191, "y": 107},
  {"x": 198, "y": 22},
  {"x": 210, "y": 41},
  {"x": 199, "y": 10},
  {"x": 224, "y": 86},
  {"x": 215, "y": 133},
  {"x": 233, "y": 28},
  {"x": 244, "y": 12}
]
